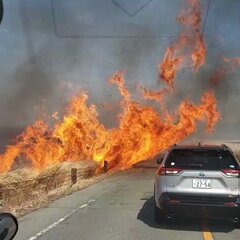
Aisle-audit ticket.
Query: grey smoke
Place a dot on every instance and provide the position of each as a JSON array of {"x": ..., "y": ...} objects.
[{"x": 84, "y": 42}]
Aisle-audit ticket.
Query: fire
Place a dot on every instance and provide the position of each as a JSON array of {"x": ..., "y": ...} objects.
[
  {"x": 157, "y": 96},
  {"x": 142, "y": 131},
  {"x": 172, "y": 62},
  {"x": 234, "y": 62},
  {"x": 190, "y": 40},
  {"x": 199, "y": 54}
]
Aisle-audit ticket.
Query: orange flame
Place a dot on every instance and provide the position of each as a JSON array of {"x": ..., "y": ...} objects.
[
  {"x": 191, "y": 37},
  {"x": 153, "y": 95},
  {"x": 170, "y": 65},
  {"x": 199, "y": 54},
  {"x": 234, "y": 62},
  {"x": 142, "y": 133}
]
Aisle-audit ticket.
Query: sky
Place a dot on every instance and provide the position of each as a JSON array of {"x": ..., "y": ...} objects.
[{"x": 48, "y": 45}]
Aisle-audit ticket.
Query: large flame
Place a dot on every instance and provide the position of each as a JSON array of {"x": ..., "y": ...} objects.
[{"x": 142, "y": 131}]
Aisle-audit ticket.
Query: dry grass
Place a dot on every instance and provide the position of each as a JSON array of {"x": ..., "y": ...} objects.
[
  {"x": 25, "y": 190},
  {"x": 238, "y": 154}
]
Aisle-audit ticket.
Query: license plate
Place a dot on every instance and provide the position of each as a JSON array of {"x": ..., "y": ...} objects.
[{"x": 202, "y": 183}]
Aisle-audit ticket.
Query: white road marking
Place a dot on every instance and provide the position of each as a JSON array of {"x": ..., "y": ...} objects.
[
  {"x": 91, "y": 201},
  {"x": 60, "y": 221}
]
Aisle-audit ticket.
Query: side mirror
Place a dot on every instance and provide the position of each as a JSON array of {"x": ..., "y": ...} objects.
[
  {"x": 1, "y": 10},
  {"x": 8, "y": 226},
  {"x": 159, "y": 160}
]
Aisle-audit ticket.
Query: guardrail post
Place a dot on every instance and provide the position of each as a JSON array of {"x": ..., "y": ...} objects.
[
  {"x": 1, "y": 198},
  {"x": 73, "y": 176},
  {"x": 105, "y": 166}
]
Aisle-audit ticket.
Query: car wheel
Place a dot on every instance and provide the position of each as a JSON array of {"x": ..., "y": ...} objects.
[
  {"x": 236, "y": 225},
  {"x": 159, "y": 215}
]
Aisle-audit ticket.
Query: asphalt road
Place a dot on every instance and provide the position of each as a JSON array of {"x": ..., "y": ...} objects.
[{"x": 119, "y": 207}]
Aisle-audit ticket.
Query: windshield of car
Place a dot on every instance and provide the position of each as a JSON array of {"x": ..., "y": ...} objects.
[{"x": 201, "y": 159}]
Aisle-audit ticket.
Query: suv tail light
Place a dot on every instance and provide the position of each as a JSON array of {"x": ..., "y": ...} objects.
[
  {"x": 231, "y": 172},
  {"x": 168, "y": 171}
]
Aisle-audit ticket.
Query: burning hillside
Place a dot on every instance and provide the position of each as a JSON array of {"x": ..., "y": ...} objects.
[{"x": 142, "y": 131}]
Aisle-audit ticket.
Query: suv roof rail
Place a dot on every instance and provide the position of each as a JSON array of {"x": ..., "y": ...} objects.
[
  {"x": 224, "y": 145},
  {"x": 227, "y": 147}
]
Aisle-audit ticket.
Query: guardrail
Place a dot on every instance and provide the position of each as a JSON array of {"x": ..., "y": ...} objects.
[{"x": 19, "y": 196}]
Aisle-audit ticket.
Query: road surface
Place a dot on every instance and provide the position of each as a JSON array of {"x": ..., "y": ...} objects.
[{"x": 117, "y": 208}]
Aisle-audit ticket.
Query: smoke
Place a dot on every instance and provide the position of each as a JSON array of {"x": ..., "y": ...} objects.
[
  {"x": 81, "y": 42},
  {"x": 222, "y": 35}
]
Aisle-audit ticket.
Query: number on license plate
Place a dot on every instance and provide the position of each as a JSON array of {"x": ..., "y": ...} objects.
[{"x": 202, "y": 183}]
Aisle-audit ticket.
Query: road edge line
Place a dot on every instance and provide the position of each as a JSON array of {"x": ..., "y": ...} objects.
[{"x": 60, "y": 220}]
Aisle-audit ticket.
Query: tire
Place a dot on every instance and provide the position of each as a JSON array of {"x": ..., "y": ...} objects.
[
  {"x": 236, "y": 225},
  {"x": 159, "y": 215}
]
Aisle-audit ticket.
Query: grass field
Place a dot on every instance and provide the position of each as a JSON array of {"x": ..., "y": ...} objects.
[{"x": 24, "y": 190}]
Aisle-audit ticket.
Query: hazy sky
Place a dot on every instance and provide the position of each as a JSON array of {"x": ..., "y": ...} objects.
[{"x": 83, "y": 42}]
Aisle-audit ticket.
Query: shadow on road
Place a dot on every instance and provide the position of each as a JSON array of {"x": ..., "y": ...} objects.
[{"x": 146, "y": 215}]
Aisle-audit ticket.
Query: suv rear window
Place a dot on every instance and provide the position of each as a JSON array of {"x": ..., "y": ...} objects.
[{"x": 201, "y": 159}]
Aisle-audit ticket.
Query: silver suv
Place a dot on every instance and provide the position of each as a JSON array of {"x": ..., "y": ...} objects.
[{"x": 197, "y": 181}]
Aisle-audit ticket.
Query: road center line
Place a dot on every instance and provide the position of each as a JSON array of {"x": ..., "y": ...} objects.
[
  {"x": 64, "y": 218},
  {"x": 206, "y": 231}
]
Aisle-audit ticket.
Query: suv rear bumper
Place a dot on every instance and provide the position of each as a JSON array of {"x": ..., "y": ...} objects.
[{"x": 198, "y": 206}]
